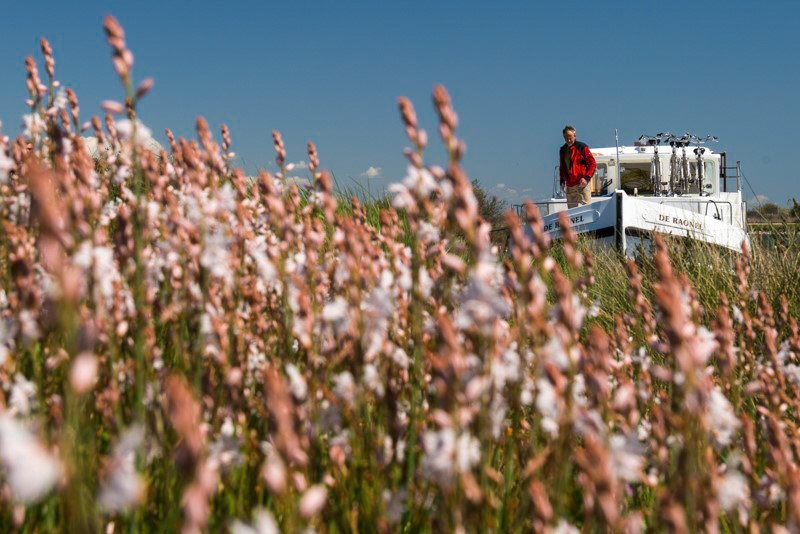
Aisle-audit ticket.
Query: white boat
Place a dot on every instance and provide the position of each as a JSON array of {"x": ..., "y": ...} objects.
[{"x": 627, "y": 205}]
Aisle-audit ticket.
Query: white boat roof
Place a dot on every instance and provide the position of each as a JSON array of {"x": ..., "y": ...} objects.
[{"x": 632, "y": 150}]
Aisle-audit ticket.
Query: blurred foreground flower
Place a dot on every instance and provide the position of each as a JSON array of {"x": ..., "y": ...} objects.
[
  {"x": 30, "y": 470},
  {"x": 123, "y": 487}
]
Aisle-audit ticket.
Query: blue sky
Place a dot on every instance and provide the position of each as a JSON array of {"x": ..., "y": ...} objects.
[{"x": 517, "y": 71}]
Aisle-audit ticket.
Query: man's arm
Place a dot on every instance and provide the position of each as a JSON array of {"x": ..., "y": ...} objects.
[
  {"x": 591, "y": 164},
  {"x": 562, "y": 169}
]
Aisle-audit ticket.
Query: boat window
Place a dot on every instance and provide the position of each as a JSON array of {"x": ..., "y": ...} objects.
[
  {"x": 600, "y": 182},
  {"x": 636, "y": 176},
  {"x": 709, "y": 175}
]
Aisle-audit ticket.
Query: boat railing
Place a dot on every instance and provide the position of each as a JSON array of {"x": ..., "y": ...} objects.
[
  {"x": 729, "y": 173},
  {"x": 519, "y": 209}
]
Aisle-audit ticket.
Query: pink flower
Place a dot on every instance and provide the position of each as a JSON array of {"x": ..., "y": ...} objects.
[
  {"x": 112, "y": 106},
  {"x": 83, "y": 374},
  {"x": 313, "y": 500}
]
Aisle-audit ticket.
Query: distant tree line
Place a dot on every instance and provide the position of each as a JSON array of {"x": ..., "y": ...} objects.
[{"x": 771, "y": 212}]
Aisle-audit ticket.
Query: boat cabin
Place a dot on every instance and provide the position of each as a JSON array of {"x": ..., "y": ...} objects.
[{"x": 633, "y": 172}]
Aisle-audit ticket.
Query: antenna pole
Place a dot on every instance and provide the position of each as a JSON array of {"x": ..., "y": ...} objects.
[{"x": 616, "y": 144}]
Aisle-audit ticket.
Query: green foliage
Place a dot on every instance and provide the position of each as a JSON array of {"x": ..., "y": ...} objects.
[
  {"x": 771, "y": 212},
  {"x": 491, "y": 208},
  {"x": 774, "y": 260},
  {"x": 794, "y": 211}
]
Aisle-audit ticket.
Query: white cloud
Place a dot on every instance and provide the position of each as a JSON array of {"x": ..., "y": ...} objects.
[
  {"x": 297, "y": 165},
  {"x": 761, "y": 198},
  {"x": 501, "y": 186},
  {"x": 372, "y": 172}
]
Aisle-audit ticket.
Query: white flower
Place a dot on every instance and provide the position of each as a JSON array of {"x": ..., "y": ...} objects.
[
  {"x": 336, "y": 313},
  {"x": 345, "y": 387},
  {"x": 402, "y": 199},
  {"x": 263, "y": 523},
  {"x": 32, "y": 124},
  {"x": 110, "y": 212},
  {"x": 784, "y": 352},
  {"x": 215, "y": 256},
  {"x": 297, "y": 384},
  {"x": 101, "y": 263},
  {"x": 228, "y": 429},
  {"x": 123, "y": 487},
  {"x": 564, "y": 527},
  {"x": 480, "y": 304},
  {"x": 439, "y": 451},
  {"x": 589, "y": 422},
  {"x": 400, "y": 358},
  {"x": 497, "y": 414},
  {"x": 377, "y": 309},
  {"x": 225, "y": 199},
  {"x": 506, "y": 368},
  {"x": 125, "y": 131},
  {"x": 60, "y": 102},
  {"x": 153, "y": 211},
  {"x": 446, "y": 454},
  {"x": 30, "y": 470},
  {"x": 706, "y": 345},
  {"x": 28, "y": 325},
  {"x": 23, "y": 395},
  {"x": 421, "y": 181},
  {"x": 6, "y": 166},
  {"x": 66, "y": 146},
  {"x": 427, "y": 232},
  {"x": 83, "y": 373},
  {"x": 226, "y": 450},
  {"x": 425, "y": 283},
  {"x": 733, "y": 491},
  {"x": 547, "y": 403},
  {"x": 257, "y": 249},
  {"x": 722, "y": 421},
  {"x": 468, "y": 452},
  {"x": 526, "y": 395},
  {"x": 372, "y": 380},
  {"x": 404, "y": 279},
  {"x": 791, "y": 371},
  {"x": 575, "y": 318},
  {"x": 313, "y": 500},
  {"x": 555, "y": 352},
  {"x": 121, "y": 175},
  {"x": 7, "y": 330},
  {"x": 626, "y": 454},
  {"x": 395, "y": 505}
]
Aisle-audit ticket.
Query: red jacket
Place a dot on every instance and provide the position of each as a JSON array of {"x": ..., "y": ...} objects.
[{"x": 575, "y": 162}]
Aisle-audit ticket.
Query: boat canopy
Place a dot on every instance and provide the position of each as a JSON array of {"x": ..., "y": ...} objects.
[{"x": 633, "y": 172}]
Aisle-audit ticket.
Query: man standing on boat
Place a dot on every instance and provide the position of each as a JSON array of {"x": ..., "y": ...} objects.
[{"x": 576, "y": 166}]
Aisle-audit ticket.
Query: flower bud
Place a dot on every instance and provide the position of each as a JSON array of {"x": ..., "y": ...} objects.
[{"x": 83, "y": 374}]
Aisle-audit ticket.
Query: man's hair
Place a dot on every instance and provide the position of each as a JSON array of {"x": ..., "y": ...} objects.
[{"x": 568, "y": 128}]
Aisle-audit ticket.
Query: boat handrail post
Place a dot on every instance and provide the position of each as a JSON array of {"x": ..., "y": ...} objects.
[
  {"x": 619, "y": 223},
  {"x": 738, "y": 176}
]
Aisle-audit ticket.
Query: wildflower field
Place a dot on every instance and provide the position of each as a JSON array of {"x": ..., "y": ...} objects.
[{"x": 185, "y": 348}]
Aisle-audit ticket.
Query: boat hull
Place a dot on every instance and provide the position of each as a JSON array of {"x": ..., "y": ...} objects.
[{"x": 619, "y": 217}]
